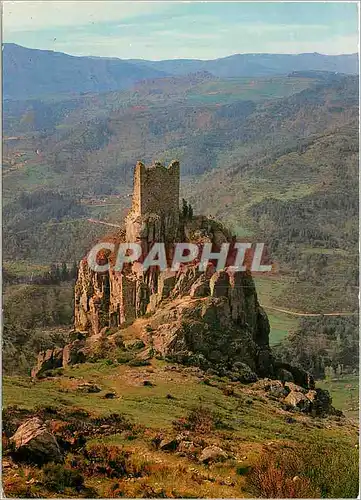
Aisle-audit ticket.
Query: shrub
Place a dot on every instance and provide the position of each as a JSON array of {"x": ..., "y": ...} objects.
[
  {"x": 111, "y": 461},
  {"x": 124, "y": 357},
  {"x": 139, "y": 362},
  {"x": 318, "y": 470},
  {"x": 242, "y": 470},
  {"x": 269, "y": 479},
  {"x": 200, "y": 420},
  {"x": 57, "y": 478}
]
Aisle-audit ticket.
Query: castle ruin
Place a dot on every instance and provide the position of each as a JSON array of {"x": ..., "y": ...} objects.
[{"x": 154, "y": 215}]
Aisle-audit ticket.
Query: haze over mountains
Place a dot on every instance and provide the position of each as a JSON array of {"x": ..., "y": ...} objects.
[{"x": 29, "y": 73}]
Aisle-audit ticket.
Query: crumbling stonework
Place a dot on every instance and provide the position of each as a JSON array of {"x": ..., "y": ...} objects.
[{"x": 154, "y": 215}]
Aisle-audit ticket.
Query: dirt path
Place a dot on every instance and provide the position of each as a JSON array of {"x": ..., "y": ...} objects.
[
  {"x": 294, "y": 313},
  {"x": 95, "y": 221}
]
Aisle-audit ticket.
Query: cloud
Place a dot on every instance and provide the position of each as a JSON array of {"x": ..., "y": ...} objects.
[
  {"x": 186, "y": 35},
  {"x": 34, "y": 15},
  {"x": 169, "y": 30}
]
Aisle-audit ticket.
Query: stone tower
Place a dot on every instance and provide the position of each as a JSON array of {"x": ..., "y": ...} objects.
[{"x": 154, "y": 216}]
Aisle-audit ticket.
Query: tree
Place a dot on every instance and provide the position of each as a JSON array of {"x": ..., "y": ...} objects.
[
  {"x": 64, "y": 274},
  {"x": 190, "y": 211},
  {"x": 184, "y": 209}
]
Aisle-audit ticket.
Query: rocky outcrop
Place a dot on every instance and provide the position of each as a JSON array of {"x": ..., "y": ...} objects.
[
  {"x": 32, "y": 441},
  {"x": 207, "y": 318},
  {"x": 285, "y": 371},
  {"x": 71, "y": 354},
  {"x": 114, "y": 298},
  {"x": 298, "y": 400},
  {"x": 48, "y": 360},
  {"x": 294, "y": 397},
  {"x": 224, "y": 325}
]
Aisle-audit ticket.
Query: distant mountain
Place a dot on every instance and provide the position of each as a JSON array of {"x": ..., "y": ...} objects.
[
  {"x": 29, "y": 73},
  {"x": 34, "y": 73},
  {"x": 258, "y": 64}
]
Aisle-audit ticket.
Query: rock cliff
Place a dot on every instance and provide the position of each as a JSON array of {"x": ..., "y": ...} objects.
[{"x": 212, "y": 319}]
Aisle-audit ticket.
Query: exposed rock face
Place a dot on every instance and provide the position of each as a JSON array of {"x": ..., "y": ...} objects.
[
  {"x": 113, "y": 298},
  {"x": 33, "y": 441},
  {"x": 298, "y": 400},
  {"x": 225, "y": 325},
  {"x": 48, "y": 360},
  {"x": 51, "y": 359}
]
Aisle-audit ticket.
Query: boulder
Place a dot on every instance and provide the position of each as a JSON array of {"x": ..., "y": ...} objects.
[
  {"x": 48, "y": 360},
  {"x": 212, "y": 454},
  {"x": 295, "y": 388},
  {"x": 89, "y": 388},
  {"x": 110, "y": 395},
  {"x": 168, "y": 444},
  {"x": 298, "y": 400},
  {"x": 321, "y": 402},
  {"x": 33, "y": 442}
]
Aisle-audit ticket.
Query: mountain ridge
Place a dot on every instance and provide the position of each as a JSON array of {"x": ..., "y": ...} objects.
[{"x": 26, "y": 71}]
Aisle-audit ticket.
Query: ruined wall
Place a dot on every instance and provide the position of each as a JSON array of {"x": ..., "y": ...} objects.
[
  {"x": 154, "y": 216},
  {"x": 156, "y": 189}
]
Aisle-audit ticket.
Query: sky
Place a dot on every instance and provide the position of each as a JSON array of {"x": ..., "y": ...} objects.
[{"x": 173, "y": 30}]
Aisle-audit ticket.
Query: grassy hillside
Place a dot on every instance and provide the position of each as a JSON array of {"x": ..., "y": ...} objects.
[
  {"x": 247, "y": 424},
  {"x": 300, "y": 196}
]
